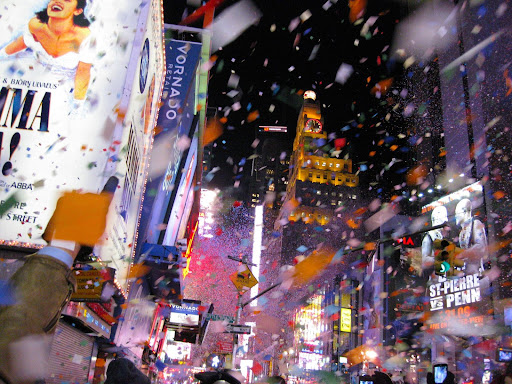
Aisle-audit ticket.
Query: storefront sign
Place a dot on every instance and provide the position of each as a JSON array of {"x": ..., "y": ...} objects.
[
  {"x": 185, "y": 314},
  {"x": 346, "y": 320},
  {"x": 89, "y": 285}
]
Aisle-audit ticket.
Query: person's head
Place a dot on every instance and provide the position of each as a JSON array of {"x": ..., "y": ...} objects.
[
  {"x": 64, "y": 9},
  {"x": 123, "y": 371},
  {"x": 439, "y": 215},
  {"x": 463, "y": 211}
]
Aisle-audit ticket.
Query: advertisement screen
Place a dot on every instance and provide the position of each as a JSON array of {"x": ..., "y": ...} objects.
[
  {"x": 63, "y": 66},
  {"x": 183, "y": 191},
  {"x": 134, "y": 326},
  {"x": 460, "y": 298}
]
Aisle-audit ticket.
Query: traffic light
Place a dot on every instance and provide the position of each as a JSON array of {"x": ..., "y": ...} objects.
[{"x": 446, "y": 262}]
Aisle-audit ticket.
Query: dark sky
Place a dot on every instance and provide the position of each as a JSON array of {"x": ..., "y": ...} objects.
[{"x": 298, "y": 45}]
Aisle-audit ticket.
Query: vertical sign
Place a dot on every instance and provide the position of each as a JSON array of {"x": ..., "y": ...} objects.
[
  {"x": 458, "y": 304},
  {"x": 346, "y": 320},
  {"x": 182, "y": 58}
]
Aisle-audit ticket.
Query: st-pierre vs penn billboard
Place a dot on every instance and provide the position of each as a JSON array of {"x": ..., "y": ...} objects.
[
  {"x": 458, "y": 304},
  {"x": 63, "y": 67}
]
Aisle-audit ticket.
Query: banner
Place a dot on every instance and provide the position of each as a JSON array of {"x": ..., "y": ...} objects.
[
  {"x": 458, "y": 304},
  {"x": 182, "y": 58},
  {"x": 63, "y": 66}
]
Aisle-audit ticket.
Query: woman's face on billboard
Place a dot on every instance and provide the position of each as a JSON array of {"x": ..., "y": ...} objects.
[{"x": 63, "y": 9}]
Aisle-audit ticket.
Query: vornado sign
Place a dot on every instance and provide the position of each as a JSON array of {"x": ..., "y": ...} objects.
[{"x": 182, "y": 58}]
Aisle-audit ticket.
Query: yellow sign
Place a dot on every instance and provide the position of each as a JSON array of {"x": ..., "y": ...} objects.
[
  {"x": 345, "y": 320},
  {"x": 89, "y": 285},
  {"x": 243, "y": 280}
]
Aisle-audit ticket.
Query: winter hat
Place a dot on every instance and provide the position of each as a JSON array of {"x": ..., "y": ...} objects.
[{"x": 123, "y": 371}]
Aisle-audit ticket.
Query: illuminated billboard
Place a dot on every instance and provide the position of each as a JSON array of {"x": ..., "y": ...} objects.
[
  {"x": 134, "y": 325},
  {"x": 178, "y": 211},
  {"x": 185, "y": 314},
  {"x": 182, "y": 59},
  {"x": 458, "y": 304},
  {"x": 135, "y": 134},
  {"x": 63, "y": 100}
]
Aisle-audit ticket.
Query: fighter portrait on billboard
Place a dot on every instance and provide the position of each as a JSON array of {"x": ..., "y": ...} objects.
[
  {"x": 60, "y": 40},
  {"x": 459, "y": 297},
  {"x": 465, "y": 230},
  {"x": 472, "y": 237}
]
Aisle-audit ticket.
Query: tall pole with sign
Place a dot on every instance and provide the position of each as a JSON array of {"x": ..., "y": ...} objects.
[{"x": 243, "y": 280}]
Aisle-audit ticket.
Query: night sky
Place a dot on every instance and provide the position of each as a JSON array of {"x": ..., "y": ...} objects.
[{"x": 296, "y": 45}]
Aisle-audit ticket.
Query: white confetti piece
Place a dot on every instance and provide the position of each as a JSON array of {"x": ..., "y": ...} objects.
[
  {"x": 232, "y": 22},
  {"x": 233, "y": 81},
  {"x": 326, "y": 5},
  {"x": 344, "y": 73},
  {"x": 77, "y": 359},
  {"x": 305, "y": 15},
  {"x": 501, "y": 9},
  {"x": 410, "y": 61},
  {"x": 314, "y": 52},
  {"x": 232, "y": 93},
  {"x": 424, "y": 30},
  {"x": 29, "y": 358},
  {"x": 293, "y": 24}
]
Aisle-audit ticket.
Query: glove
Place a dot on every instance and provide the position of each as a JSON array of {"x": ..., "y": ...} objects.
[{"x": 81, "y": 217}]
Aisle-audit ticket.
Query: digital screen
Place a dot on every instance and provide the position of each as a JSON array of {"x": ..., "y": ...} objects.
[
  {"x": 440, "y": 373},
  {"x": 458, "y": 303},
  {"x": 504, "y": 355},
  {"x": 366, "y": 382}
]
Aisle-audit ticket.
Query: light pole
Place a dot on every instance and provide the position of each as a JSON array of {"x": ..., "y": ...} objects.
[{"x": 243, "y": 259}]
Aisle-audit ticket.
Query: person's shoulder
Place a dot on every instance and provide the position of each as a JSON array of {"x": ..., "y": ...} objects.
[
  {"x": 35, "y": 25},
  {"x": 82, "y": 32}
]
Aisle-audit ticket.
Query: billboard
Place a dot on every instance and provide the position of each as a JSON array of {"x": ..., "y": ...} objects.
[
  {"x": 134, "y": 133},
  {"x": 63, "y": 66},
  {"x": 180, "y": 210},
  {"x": 458, "y": 304},
  {"x": 134, "y": 326},
  {"x": 175, "y": 120}
]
